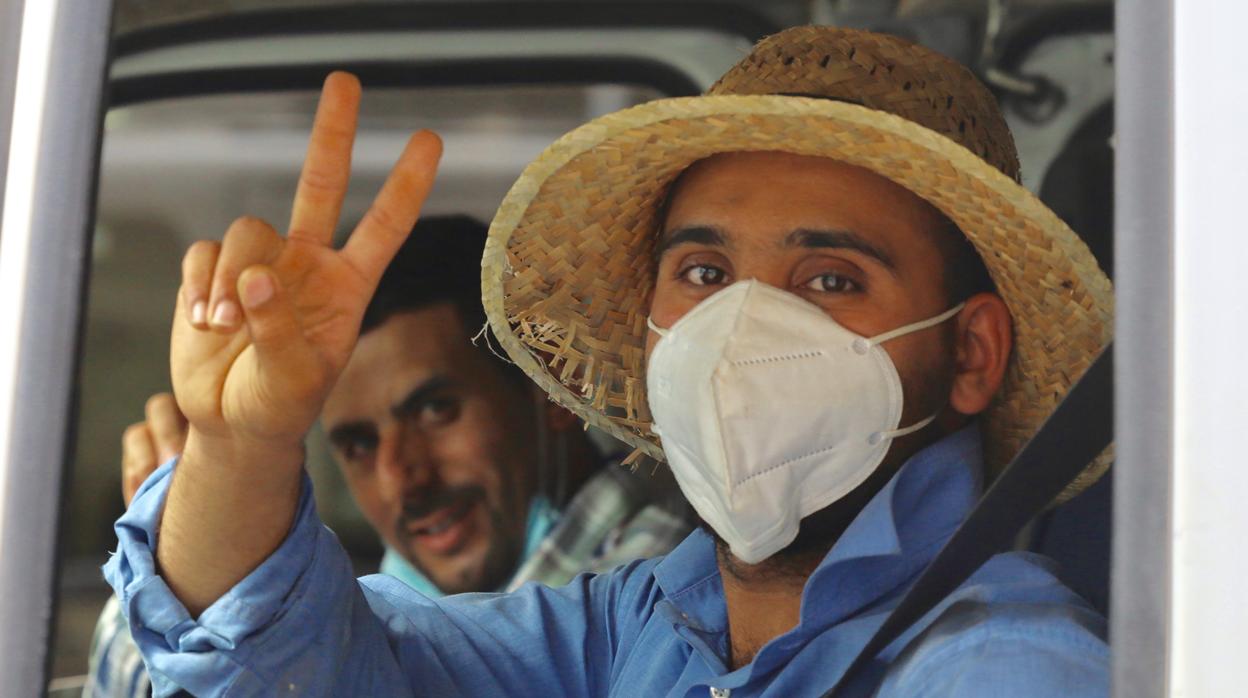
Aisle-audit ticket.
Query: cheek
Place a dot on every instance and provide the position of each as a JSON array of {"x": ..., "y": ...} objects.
[
  {"x": 378, "y": 510},
  {"x": 923, "y": 363},
  {"x": 666, "y": 308},
  {"x": 475, "y": 449}
]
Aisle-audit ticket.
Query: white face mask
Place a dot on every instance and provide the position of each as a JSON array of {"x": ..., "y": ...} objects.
[{"x": 769, "y": 410}]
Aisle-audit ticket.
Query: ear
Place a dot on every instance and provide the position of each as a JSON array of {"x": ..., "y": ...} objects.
[{"x": 981, "y": 353}]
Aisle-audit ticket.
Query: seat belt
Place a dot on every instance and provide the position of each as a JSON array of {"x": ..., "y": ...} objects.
[{"x": 1078, "y": 431}]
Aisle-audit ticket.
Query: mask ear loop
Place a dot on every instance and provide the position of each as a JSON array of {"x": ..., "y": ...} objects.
[
  {"x": 916, "y": 326},
  {"x": 862, "y": 345},
  {"x": 879, "y": 436},
  {"x": 657, "y": 330},
  {"x": 654, "y": 428}
]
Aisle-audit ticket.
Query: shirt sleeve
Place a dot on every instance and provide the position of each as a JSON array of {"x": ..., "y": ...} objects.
[
  {"x": 301, "y": 624},
  {"x": 1019, "y": 651}
]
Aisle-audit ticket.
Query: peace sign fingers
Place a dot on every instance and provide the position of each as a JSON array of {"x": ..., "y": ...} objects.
[
  {"x": 297, "y": 300},
  {"x": 327, "y": 167},
  {"x": 385, "y": 226}
]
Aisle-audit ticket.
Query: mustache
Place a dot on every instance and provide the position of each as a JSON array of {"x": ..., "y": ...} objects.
[{"x": 420, "y": 506}]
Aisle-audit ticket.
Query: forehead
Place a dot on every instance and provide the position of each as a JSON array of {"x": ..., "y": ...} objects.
[
  {"x": 779, "y": 192},
  {"x": 407, "y": 349}
]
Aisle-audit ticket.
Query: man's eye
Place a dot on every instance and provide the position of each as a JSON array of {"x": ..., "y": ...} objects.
[
  {"x": 833, "y": 283},
  {"x": 357, "y": 449},
  {"x": 704, "y": 275},
  {"x": 440, "y": 411}
]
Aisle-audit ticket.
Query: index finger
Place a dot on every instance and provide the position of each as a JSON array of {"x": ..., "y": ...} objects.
[
  {"x": 388, "y": 221},
  {"x": 327, "y": 166}
]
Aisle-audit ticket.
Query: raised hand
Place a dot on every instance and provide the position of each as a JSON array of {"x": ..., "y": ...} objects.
[
  {"x": 145, "y": 445},
  {"x": 264, "y": 324}
]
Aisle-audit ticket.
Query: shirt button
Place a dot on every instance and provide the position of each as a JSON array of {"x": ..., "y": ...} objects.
[{"x": 720, "y": 692}]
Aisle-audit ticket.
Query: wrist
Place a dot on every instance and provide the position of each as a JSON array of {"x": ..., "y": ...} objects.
[
  {"x": 230, "y": 505},
  {"x": 252, "y": 458}
]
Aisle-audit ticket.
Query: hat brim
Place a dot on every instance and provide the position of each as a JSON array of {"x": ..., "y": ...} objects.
[{"x": 568, "y": 266}]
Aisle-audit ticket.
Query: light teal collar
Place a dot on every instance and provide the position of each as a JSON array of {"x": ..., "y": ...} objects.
[{"x": 542, "y": 518}]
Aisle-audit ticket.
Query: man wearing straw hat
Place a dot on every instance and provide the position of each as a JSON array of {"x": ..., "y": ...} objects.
[{"x": 818, "y": 293}]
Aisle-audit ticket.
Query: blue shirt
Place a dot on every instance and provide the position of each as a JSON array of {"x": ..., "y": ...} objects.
[{"x": 301, "y": 624}]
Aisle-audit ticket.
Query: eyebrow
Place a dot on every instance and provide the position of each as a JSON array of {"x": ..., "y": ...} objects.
[
  {"x": 419, "y": 395},
  {"x": 839, "y": 239},
  {"x": 695, "y": 234}
]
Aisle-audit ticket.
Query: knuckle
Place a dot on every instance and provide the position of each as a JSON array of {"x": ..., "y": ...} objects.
[
  {"x": 133, "y": 432},
  {"x": 157, "y": 402},
  {"x": 162, "y": 404},
  {"x": 200, "y": 253},
  {"x": 383, "y": 219},
  {"x": 317, "y": 181},
  {"x": 244, "y": 225},
  {"x": 248, "y": 241},
  {"x": 333, "y": 133}
]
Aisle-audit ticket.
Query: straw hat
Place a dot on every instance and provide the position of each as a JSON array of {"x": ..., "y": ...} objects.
[{"x": 568, "y": 266}]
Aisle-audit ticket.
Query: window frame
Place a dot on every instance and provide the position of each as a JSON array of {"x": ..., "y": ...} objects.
[
  {"x": 45, "y": 251},
  {"x": 49, "y": 189}
]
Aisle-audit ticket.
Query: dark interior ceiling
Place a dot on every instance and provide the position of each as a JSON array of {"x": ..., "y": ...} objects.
[{"x": 133, "y": 15}]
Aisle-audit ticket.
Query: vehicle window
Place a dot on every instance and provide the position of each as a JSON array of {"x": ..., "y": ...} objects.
[{"x": 175, "y": 171}]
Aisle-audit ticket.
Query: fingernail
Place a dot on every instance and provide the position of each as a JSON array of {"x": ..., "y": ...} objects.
[
  {"x": 258, "y": 290},
  {"x": 199, "y": 313},
  {"x": 226, "y": 314}
]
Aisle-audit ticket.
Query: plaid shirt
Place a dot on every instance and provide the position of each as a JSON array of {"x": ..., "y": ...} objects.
[{"x": 618, "y": 516}]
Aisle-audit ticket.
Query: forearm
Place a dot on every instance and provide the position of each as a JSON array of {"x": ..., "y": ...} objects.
[
  {"x": 301, "y": 624},
  {"x": 291, "y": 620},
  {"x": 229, "y": 507}
]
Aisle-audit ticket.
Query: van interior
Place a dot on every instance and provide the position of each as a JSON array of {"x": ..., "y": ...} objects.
[{"x": 210, "y": 103}]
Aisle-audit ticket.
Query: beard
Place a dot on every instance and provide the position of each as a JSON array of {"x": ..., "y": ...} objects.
[
  {"x": 502, "y": 554},
  {"x": 818, "y": 532},
  {"x": 816, "y": 535}
]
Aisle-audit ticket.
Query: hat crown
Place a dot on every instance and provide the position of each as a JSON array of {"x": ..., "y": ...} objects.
[{"x": 881, "y": 72}]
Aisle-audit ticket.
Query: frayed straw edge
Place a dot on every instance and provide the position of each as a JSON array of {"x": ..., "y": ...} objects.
[{"x": 484, "y": 334}]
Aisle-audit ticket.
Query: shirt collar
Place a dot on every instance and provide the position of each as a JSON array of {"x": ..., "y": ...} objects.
[
  {"x": 924, "y": 502},
  {"x": 896, "y": 534}
]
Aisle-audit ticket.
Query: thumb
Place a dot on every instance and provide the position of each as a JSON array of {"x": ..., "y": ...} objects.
[{"x": 282, "y": 351}]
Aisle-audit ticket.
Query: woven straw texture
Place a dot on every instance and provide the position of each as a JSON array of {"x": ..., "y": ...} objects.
[{"x": 568, "y": 267}]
